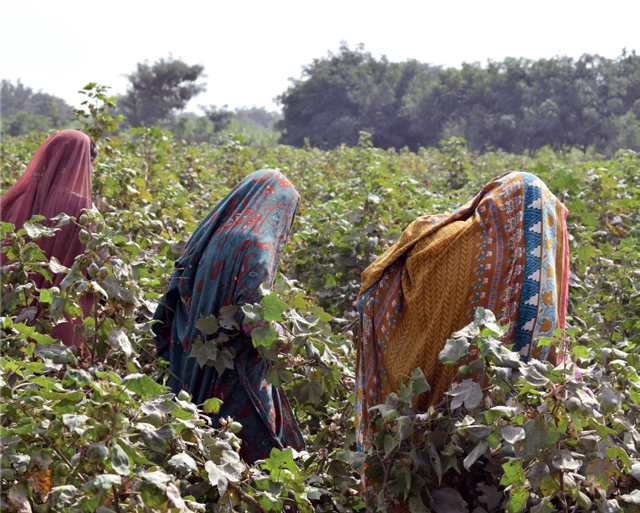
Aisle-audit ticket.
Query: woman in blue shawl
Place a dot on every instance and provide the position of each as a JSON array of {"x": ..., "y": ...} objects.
[{"x": 233, "y": 250}]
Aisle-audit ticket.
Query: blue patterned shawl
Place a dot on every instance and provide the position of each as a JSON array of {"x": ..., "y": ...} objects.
[{"x": 232, "y": 251}]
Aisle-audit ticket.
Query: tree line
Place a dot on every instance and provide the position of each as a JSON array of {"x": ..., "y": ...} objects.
[
  {"x": 517, "y": 105},
  {"x": 157, "y": 95},
  {"x": 22, "y": 110}
]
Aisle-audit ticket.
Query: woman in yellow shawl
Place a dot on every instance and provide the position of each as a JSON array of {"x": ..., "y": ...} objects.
[{"x": 506, "y": 250}]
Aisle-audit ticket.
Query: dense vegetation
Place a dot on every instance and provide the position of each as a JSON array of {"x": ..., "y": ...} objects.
[
  {"x": 157, "y": 96},
  {"x": 22, "y": 110},
  {"x": 518, "y": 105},
  {"x": 99, "y": 432}
]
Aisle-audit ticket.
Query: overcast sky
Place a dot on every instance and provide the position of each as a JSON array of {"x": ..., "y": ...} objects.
[{"x": 251, "y": 48}]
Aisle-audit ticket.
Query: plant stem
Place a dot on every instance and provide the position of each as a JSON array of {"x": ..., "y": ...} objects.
[
  {"x": 95, "y": 329},
  {"x": 387, "y": 470},
  {"x": 66, "y": 460},
  {"x": 116, "y": 500},
  {"x": 247, "y": 497}
]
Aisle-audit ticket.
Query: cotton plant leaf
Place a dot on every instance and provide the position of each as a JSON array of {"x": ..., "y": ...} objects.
[{"x": 468, "y": 393}]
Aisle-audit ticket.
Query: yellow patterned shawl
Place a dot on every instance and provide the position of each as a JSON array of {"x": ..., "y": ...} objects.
[{"x": 506, "y": 250}]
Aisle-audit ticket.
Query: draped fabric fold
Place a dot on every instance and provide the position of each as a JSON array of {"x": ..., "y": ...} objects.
[
  {"x": 506, "y": 250},
  {"x": 233, "y": 250},
  {"x": 57, "y": 180}
]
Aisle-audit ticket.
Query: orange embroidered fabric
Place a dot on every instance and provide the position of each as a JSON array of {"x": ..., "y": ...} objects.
[{"x": 505, "y": 250}]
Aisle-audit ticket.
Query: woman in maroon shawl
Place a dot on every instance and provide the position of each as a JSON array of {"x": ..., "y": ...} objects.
[{"x": 57, "y": 180}]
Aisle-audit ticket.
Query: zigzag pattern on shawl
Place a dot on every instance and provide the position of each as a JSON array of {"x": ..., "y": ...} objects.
[
  {"x": 453, "y": 283},
  {"x": 530, "y": 288}
]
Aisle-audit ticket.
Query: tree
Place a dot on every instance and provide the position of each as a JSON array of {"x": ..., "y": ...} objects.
[
  {"x": 19, "y": 97},
  {"x": 344, "y": 94},
  {"x": 220, "y": 117},
  {"x": 158, "y": 91},
  {"x": 258, "y": 116},
  {"x": 517, "y": 105},
  {"x": 22, "y": 110}
]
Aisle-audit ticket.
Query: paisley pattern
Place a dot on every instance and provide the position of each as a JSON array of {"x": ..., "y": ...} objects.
[{"x": 233, "y": 250}]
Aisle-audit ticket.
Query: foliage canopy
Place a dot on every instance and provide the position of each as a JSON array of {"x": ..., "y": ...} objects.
[{"x": 517, "y": 105}]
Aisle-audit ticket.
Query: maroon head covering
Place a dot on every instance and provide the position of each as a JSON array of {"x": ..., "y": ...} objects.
[{"x": 58, "y": 179}]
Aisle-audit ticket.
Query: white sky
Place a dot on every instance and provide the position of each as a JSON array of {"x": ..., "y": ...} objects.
[{"x": 251, "y": 48}]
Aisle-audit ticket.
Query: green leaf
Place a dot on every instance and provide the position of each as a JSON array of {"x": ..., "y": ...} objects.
[
  {"x": 227, "y": 316},
  {"x": 73, "y": 276},
  {"x": 503, "y": 357},
  {"x": 280, "y": 459},
  {"x": 273, "y": 307},
  {"x": 483, "y": 316},
  {"x": 264, "y": 335},
  {"x": 119, "y": 341},
  {"x": 419, "y": 382},
  {"x": 35, "y": 230},
  {"x": 72, "y": 422},
  {"x": 212, "y": 405},
  {"x": 548, "y": 486},
  {"x": 518, "y": 500},
  {"x": 562, "y": 460},
  {"x": 319, "y": 312},
  {"x": 619, "y": 452},
  {"x": 157, "y": 439},
  {"x": 115, "y": 290},
  {"x": 533, "y": 377},
  {"x": 224, "y": 360},
  {"x": 204, "y": 352},
  {"x": 251, "y": 315},
  {"x": 30, "y": 331},
  {"x": 183, "y": 463},
  {"x": 539, "y": 434},
  {"x": 405, "y": 428},
  {"x": 63, "y": 220},
  {"x": 216, "y": 476},
  {"x": 610, "y": 399},
  {"x": 134, "y": 456},
  {"x": 602, "y": 430},
  {"x": 581, "y": 351},
  {"x": 120, "y": 462},
  {"x": 586, "y": 252},
  {"x": 143, "y": 385},
  {"x": 537, "y": 474},
  {"x": 468, "y": 392},
  {"x": 604, "y": 470},
  {"x": 478, "y": 451},
  {"x": 512, "y": 434},
  {"x": 153, "y": 486},
  {"x": 103, "y": 483},
  {"x": 78, "y": 376},
  {"x": 453, "y": 350}
]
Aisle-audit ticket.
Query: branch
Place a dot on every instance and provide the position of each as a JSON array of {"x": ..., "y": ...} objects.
[
  {"x": 350, "y": 325},
  {"x": 247, "y": 497},
  {"x": 116, "y": 500},
  {"x": 387, "y": 470},
  {"x": 59, "y": 453}
]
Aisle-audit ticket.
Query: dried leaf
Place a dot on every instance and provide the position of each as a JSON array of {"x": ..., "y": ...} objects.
[{"x": 41, "y": 482}]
